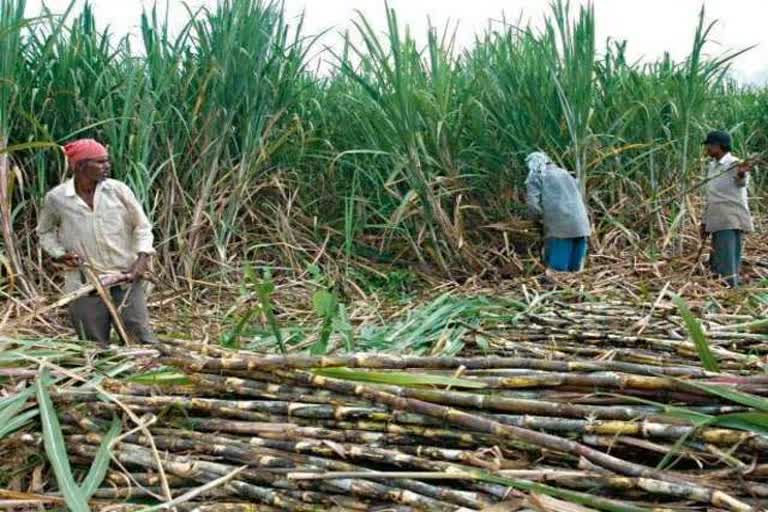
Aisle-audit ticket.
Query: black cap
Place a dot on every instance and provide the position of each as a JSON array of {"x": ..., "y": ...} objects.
[{"x": 718, "y": 137}]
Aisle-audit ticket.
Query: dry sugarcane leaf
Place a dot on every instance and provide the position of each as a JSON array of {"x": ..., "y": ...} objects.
[
  {"x": 337, "y": 448},
  {"x": 544, "y": 503},
  {"x": 511, "y": 505},
  {"x": 37, "y": 486}
]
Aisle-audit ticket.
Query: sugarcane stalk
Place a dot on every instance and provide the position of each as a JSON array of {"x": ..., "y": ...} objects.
[
  {"x": 645, "y": 429},
  {"x": 352, "y": 451},
  {"x": 684, "y": 348},
  {"x": 542, "y": 440},
  {"x": 294, "y": 431},
  {"x": 197, "y": 470},
  {"x": 657, "y": 487},
  {"x": 128, "y": 493},
  {"x": 482, "y": 402},
  {"x": 118, "y": 479},
  {"x": 219, "y": 506},
  {"x": 106, "y": 298},
  {"x": 204, "y": 471},
  {"x": 271, "y": 458},
  {"x": 106, "y": 282},
  {"x": 234, "y": 408},
  {"x": 227, "y": 361}
]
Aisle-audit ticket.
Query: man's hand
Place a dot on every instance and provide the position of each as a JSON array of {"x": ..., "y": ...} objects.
[
  {"x": 70, "y": 259},
  {"x": 138, "y": 268},
  {"x": 703, "y": 231},
  {"x": 743, "y": 169}
]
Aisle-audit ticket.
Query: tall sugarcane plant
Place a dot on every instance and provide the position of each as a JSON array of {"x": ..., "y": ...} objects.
[
  {"x": 691, "y": 90},
  {"x": 403, "y": 149},
  {"x": 414, "y": 97},
  {"x": 12, "y": 25},
  {"x": 574, "y": 76}
]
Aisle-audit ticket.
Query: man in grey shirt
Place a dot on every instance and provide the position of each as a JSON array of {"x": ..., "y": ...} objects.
[
  {"x": 555, "y": 198},
  {"x": 726, "y": 211}
]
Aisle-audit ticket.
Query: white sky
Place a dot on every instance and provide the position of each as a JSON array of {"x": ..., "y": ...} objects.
[{"x": 650, "y": 26}]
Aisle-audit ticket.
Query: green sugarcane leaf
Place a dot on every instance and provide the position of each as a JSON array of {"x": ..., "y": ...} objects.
[
  {"x": 697, "y": 418},
  {"x": 17, "y": 422},
  {"x": 231, "y": 339},
  {"x": 399, "y": 378},
  {"x": 10, "y": 407},
  {"x": 738, "y": 397},
  {"x": 324, "y": 303},
  {"x": 755, "y": 422},
  {"x": 265, "y": 289},
  {"x": 55, "y": 448},
  {"x": 321, "y": 345},
  {"x": 101, "y": 462},
  {"x": 748, "y": 421},
  {"x": 16, "y": 356},
  {"x": 708, "y": 359},
  {"x": 326, "y": 306},
  {"x": 580, "y": 498},
  {"x": 344, "y": 326},
  {"x": 676, "y": 451},
  {"x": 249, "y": 274},
  {"x": 694, "y": 417},
  {"x": 162, "y": 377},
  {"x": 759, "y": 326}
]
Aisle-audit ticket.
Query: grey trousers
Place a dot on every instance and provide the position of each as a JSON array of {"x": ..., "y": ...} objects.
[
  {"x": 92, "y": 321},
  {"x": 726, "y": 255}
]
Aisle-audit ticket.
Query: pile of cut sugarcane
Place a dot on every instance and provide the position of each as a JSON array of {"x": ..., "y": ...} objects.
[
  {"x": 654, "y": 334},
  {"x": 386, "y": 432}
]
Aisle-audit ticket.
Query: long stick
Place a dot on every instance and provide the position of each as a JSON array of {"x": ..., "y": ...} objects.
[
  {"x": 189, "y": 496},
  {"x": 106, "y": 298},
  {"x": 698, "y": 185},
  {"x": 107, "y": 281}
]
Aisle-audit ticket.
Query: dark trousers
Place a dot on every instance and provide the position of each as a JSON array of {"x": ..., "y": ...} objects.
[
  {"x": 726, "y": 255},
  {"x": 92, "y": 321}
]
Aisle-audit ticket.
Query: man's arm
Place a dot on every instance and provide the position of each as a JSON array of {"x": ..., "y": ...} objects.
[
  {"x": 47, "y": 229},
  {"x": 142, "y": 229},
  {"x": 142, "y": 233},
  {"x": 48, "y": 234},
  {"x": 533, "y": 185}
]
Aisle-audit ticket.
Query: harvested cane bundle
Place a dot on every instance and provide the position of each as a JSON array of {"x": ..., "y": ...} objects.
[{"x": 363, "y": 431}]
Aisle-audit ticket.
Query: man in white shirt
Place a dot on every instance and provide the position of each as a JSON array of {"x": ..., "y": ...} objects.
[
  {"x": 91, "y": 219},
  {"x": 726, "y": 211}
]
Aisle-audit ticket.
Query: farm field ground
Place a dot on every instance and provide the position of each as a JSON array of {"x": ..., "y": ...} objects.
[{"x": 522, "y": 393}]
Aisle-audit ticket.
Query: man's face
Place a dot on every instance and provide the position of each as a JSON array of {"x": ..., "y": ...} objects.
[
  {"x": 96, "y": 170},
  {"x": 713, "y": 150}
]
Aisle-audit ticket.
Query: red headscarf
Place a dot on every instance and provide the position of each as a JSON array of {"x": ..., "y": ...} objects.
[{"x": 84, "y": 149}]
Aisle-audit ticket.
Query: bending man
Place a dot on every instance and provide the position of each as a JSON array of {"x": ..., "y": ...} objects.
[
  {"x": 555, "y": 198},
  {"x": 96, "y": 220}
]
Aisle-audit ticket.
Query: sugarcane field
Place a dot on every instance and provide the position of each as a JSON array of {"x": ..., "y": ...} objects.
[{"x": 251, "y": 265}]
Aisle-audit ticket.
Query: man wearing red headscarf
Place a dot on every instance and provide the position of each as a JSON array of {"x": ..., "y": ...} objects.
[{"x": 96, "y": 221}]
